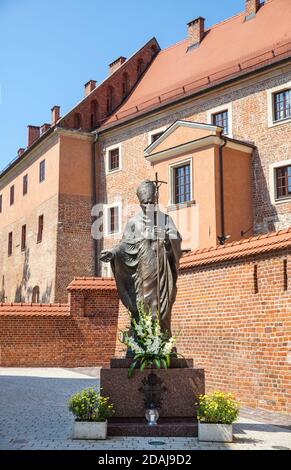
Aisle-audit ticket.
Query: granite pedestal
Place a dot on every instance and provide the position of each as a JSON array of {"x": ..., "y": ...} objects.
[{"x": 181, "y": 384}]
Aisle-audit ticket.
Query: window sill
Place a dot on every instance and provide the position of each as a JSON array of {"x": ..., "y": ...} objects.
[
  {"x": 279, "y": 123},
  {"x": 176, "y": 207},
  {"x": 285, "y": 200},
  {"x": 110, "y": 172}
]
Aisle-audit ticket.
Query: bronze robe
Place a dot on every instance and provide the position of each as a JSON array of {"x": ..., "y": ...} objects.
[{"x": 134, "y": 265}]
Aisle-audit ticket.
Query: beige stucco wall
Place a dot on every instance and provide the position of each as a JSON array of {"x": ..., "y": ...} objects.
[{"x": 35, "y": 266}]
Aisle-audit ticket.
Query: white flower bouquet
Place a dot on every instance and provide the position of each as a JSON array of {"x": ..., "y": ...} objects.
[{"x": 148, "y": 343}]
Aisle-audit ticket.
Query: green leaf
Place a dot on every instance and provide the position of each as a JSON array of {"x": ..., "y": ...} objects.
[
  {"x": 131, "y": 369},
  {"x": 168, "y": 360},
  {"x": 164, "y": 363},
  {"x": 158, "y": 363}
]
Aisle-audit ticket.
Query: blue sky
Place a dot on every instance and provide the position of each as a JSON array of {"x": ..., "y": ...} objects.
[{"x": 50, "y": 49}]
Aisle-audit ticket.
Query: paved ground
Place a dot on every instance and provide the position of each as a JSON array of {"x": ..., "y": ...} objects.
[{"x": 33, "y": 415}]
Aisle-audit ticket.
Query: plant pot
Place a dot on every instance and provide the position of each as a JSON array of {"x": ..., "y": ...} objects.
[
  {"x": 90, "y": 430},
  {"x": 210, "y": 432}
]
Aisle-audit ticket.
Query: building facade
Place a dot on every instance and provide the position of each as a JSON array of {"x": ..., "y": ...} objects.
[{"x": 211, "y": 115}]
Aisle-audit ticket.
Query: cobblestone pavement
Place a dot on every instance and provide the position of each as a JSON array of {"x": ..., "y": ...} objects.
[{"x": 33, "y": 415}]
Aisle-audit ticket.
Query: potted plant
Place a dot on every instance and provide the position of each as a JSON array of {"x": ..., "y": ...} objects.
[
  {"x": 91, "y": 411},
  {"x": 216, "y": 412},
  {"x": 149, "y": 346}
]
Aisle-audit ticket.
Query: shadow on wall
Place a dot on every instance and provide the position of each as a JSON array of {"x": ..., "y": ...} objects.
[
  {"x": 24, "y": 292},
  {"x": 265, "y": 213}
]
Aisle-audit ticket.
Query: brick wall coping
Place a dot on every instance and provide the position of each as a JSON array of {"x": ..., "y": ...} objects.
[
  {"x": 246, "y": 247},
  {"x": 34, "y": 309},
  {"x": 92, "y": 283}
]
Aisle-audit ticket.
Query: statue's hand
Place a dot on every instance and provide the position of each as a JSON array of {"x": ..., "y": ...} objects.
[{"x": 106, "y": 256}]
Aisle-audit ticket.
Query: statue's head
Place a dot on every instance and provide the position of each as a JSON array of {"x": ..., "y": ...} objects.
[{"x": 146, "y": 193}]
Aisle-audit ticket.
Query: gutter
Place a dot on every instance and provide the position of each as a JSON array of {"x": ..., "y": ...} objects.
[
  {"x": 94, "y": 202},
  {"x": 223, "y": 237}
]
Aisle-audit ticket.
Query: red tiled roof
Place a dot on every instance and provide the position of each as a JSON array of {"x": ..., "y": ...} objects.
[
  {"x": 54, "y": 310},
  {"x": 228, "y": 49},
  {"x": 252, "y": 246},
  {"x": 92, "y": 283}
]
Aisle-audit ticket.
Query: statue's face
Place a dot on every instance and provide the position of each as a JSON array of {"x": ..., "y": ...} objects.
[{"x": 147, "y": 203}]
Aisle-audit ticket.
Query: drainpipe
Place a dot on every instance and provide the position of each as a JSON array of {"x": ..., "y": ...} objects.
[
  {"x": 223, "y": 237},
  {"x": 94, "y": 202}
]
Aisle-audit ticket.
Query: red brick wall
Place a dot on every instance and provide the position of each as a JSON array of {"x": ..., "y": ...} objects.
[
  {"x": 80, "y": 334},
  {"x": 241, "y": 338}
]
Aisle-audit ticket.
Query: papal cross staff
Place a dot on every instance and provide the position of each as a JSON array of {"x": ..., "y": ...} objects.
[{"x": 157, "y": 184}]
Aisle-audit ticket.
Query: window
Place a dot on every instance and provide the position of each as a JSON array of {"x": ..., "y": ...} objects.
[
  {"x": 35, "y": 295},
  {"x": 282, "y": 105},
  {"x": 42, "y": 171},
  {"x": 25, "y": 184},
  {"x": 77, "y": 121},
  {"x": 221, "y": 119},
  {"x": 23, "y": 237},
  {"x": 94, "y": 113},
  {"x": 0, "y": 203},
  {"x": 113, "y": 219},
  {"x": 113, "y": 163},
  {"x": 125, "y": 84},
  {"x": 283, "y": 182},
  {"x": 155, "y": 135},
  {"x": 110, "y": 99},
  {"x": 12, "y": 195},
  {"x": 9, "y": 243},
  {"x": 279, "y": 104},
  {"x": 140, "y": 67},
  {"x": 113, "y": 159},
  {"x": 40, "y": 229},
  {"x": 182, "y": 184}
]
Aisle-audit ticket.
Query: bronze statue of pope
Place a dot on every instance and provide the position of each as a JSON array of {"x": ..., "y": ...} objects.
[{"x": 150, "y": 243}]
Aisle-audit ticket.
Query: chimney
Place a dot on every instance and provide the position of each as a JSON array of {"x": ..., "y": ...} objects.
[
  {"x": 116, "y": 64},
  {"x": 32, "y": 135},
  {"x": 55, "y": 114},
  {"x": 89, "y": 86},
  {"x": 195, "y": 32},
  {"x": 45, "y": 127},
  {"x": 20, "y": 152},
  {"x": 252, "y": 7}
]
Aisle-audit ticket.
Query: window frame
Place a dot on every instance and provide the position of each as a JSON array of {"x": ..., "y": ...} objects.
[
  {"x": 41, "y": 179},
  {"x": 160, "y": 130},
  {"x": 273, "y": 167},
  {"x": 10, "y": 244},
  {"x": 219, "y": 109},
  {"x": 40, "y": 232},
  {"x": 271, "y": 92},
  {"x": 25, "y": 184},
  {"x": 172, "y": 169},
  {"x": 108, "y": 151},
  {"x": 12, "y": 195},
  {"x": 23, "y": 237},
  {"x": 106, "y": 212}
]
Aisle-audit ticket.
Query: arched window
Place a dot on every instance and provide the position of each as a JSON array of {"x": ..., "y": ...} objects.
[
  {"x": 77, "y": 121},
  {"x": 140, "y": 67},
  {"x": 94, "y": 114},
  {"x": 125, "y": 84},
  {"x": 35, "y": 295},
  {"x": 110, "y": 99}
]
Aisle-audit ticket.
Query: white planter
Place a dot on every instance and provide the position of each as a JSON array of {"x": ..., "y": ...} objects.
[
  {"x": 209, "y": 432},
  {"x": 89, "y": 430}
]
